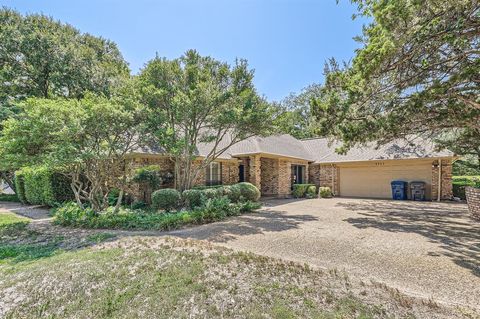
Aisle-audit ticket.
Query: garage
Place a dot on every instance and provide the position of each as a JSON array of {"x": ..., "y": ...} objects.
[{"x": 372, "y": 180}]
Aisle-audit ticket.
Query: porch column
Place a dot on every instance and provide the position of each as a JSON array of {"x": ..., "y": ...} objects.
[
  {"x": 255, "y": 171},
  {"x": 284, "y": 178}
]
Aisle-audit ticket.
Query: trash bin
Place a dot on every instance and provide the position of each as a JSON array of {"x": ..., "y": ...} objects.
[
  {"x": 417, "y": 190},
  {"x": 399, "y": 190}
]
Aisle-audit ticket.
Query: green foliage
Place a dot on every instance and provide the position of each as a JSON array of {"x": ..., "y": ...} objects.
[
  {"x": 11, "y": 224},
  {"x": 193, "y": 92},
  {"x": 294, "y": 116},
  {"x": 211, "y": 193},
  {"x": 324, "y": 192},
  {"x": 300, "y": 190},
  {"x": 42, "y": 186},
  {"x": 152, "y": 176},
  {"x": 167, "y": 199},
  {"x": 416, "y": 72},
  {"x": 42, "y": 57},
  {"x": 311, "y": 191},
  {"x": 138, "y": 205},
  {"x": 466, "y": 167},
  {"x": 9, "y": 198},
  {"x": 216, "y": 209},
  {"x": 460, "y": 182},
  {"x": 248, "y": 191},
  {"x": 20, "y": 186},
  {"x": 232, "y": 192},
  {"x": 77, "y": 136},
  {"x": 193, "y": 198}
]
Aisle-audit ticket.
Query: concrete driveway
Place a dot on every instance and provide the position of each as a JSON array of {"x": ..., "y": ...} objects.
[{"x": 425, "y": 249}]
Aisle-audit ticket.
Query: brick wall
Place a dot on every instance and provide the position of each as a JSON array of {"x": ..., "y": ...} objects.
[
  {"x": 446, "y": 179},
  {"x": 255, "y": 171},
  {"x": 314, "y": 174},
  {"x": 328, "y": 177},
  {"x": 284, "y": 178},
  {"x": 229, "y": 173},
  {"x": 269, "y": 176},
  {"x": 473, "y": 201}
]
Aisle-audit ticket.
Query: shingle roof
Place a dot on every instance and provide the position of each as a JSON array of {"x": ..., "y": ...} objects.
[
  {"x": 317, "y": 150},
  {"x": 414, "y": 147}
]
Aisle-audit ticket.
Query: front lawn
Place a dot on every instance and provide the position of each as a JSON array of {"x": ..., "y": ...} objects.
[{"x": 94, "y": 274}]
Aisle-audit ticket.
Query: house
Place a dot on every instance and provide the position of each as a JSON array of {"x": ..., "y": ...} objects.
[{"x": 276, "y": 162}]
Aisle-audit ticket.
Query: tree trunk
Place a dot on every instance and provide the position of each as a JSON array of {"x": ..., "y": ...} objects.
[{"x": 119, "y": 202}]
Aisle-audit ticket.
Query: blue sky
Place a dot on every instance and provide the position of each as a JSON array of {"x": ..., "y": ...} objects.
[{"x": 285, "y": 41}]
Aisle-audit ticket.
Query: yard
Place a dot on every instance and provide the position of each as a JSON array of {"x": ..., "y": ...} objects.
[{"x": 340, "y": 271}]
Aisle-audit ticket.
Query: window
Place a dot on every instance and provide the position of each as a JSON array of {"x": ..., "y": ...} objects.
[{"x": 214, "y": 174}]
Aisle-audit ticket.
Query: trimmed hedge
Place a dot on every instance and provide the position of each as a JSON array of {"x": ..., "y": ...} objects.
[
  {"x": 41, "y": 186},
  {"x": 167, "y": 199},
  {"x": 299, "y": 190},
  {"x": 9, "y": 198},
  {"x": 20, "y": 186},
  {"x": 248, "y": 191},
  {"x": 324, "y": 192},
  {"x": 193, "y": 198},
  {"x": 460, "y": 182},
  {"x": 311, "y": 192}
]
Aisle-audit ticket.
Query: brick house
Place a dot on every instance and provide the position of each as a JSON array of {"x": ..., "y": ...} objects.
[{"x": 275, "y": 163}]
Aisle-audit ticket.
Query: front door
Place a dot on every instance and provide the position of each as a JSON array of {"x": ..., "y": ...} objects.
[
  {"x": 241, "y": 173},
  {"x": 298, "y": 174}
]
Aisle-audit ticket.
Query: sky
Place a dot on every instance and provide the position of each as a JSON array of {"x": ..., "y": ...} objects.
[{"x": 286, "y": 41}]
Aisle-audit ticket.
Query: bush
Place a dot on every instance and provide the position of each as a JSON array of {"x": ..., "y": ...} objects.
[
  {"x": 20, "y": 186},
  {"x": 9, "y": 198},
  {"x": 211, "y": 193},
  {"x": 232, "y": 192},
  {"x": 193, "y": 198},
  {"x": 248, "y": 191},
  {"x": 167, "y": 199},
  {"x": 311, "y": 191},
  {"x": 324, "y": 192},
  {"x": 138, "y": 205},
  {"x": 72, "y": 215},
  {"x": 299, "y": 190},
  {"x": 460, "y": 182},
  {"x": 41, "y": 186}
]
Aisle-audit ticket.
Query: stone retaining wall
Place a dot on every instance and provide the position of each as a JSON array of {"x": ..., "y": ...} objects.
[{"x": 473, "y": 200}]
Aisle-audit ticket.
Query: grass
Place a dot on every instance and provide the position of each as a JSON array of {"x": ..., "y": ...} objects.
[
  {"x": 11, "y": 223},
  {"x": 67, "y": 273}
]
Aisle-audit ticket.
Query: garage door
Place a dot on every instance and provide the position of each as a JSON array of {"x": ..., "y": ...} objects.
[{"x": 374, "y": 180}]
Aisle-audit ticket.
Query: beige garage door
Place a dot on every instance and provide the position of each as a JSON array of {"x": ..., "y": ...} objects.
[{"x": 374, "y": 180}]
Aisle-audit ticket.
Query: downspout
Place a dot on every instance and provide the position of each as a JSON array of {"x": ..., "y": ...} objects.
[{"x": 439, "y": 192}]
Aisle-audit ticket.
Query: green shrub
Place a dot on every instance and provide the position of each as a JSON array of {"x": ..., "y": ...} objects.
[
  {"x": 193, "y": 198},
  {"x": 167, "y": 199},
  {"x": 9, "y": 198},
  {"x": 248, "y": 191},
  {"x": 232, "y": 192},
  {"x": 211, "y": 193},
  {"x": 138, "y": 205},
  {"x": 20, "y": 186},
  {"x": 299, "y": 190},
  {"x": 202, "y": 187},
  {"x": 460, "y": 182},
  {"x": 311, "y": 192},
  {"x": 324, "y": 192},
  {"x": 72, "y": 215},
  {"x": 41, "y": 186}
]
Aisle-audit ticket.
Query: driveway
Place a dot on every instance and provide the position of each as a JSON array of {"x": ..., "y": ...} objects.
[{"x": 425, "y": 249}]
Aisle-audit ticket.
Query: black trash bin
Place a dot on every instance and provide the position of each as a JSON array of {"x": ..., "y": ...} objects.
[
  {"x": 399, "y": 190},
  {"x": 417, "y": 190}
]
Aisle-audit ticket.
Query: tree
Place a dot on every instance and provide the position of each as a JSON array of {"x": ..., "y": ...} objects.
[
  {"x": 40, "y": 57},
  {"x": 195, "y": 99},
  {"x": 462, "y": 142},
  {"x": 417, "y": 72},
  {"x": 86, "y": 140},
  {"x": 294, "y": 116}
]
